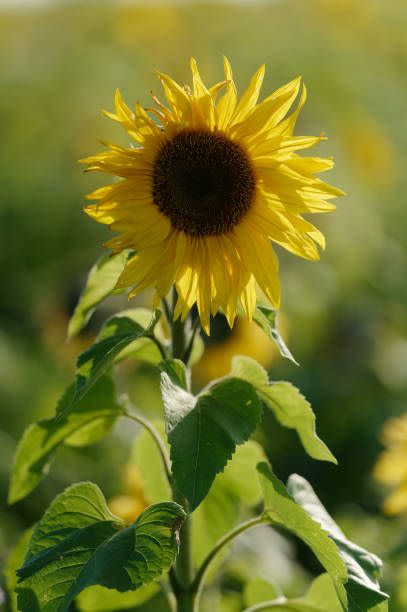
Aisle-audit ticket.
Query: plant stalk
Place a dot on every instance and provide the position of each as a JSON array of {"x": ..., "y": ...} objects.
[{"x": 183, "y": 576}]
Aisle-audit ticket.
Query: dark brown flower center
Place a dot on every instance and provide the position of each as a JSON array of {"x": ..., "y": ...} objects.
[{"x": 203, "y": 182}]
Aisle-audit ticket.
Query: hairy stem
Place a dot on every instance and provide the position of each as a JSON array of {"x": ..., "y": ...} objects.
[{"x": 183, "y": 575}]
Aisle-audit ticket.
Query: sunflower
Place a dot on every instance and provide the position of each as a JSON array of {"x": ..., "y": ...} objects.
[{"x": 209, "y": 182}]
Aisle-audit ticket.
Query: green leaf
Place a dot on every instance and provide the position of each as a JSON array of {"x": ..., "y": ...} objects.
[
  {"x": 250, "y": 370},
  {"x": 101, "y": 599},
  {"x": 144, "y": 348},
  {"x": 15, "y": 559},
  {"x": 117, "y": 333},
  {"x": 79, "y": 543},
  {"x": 281, "y": 509},
  {"x": 321, "y": 597},
  {"x": 292, "y": 410},
  {"x": 257, "y": 590},
  {"x": 288, "y": 405},
  {"x": 363, "y": 567},
  {"x": 266, "y": 318},
  {"x": 90, "y": 418},
  {"x": 204, "y": 431},
  {"x": 100, "y": 283}
]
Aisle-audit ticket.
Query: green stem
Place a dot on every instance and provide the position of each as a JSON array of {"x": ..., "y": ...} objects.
[
  {"x": 199, "y": 580},
  {"x": 154, "y": 434},
  {"x": 190, "y": 345},
  {"x": 158, "y": 344},
  {"x": 183, "y": 575}
]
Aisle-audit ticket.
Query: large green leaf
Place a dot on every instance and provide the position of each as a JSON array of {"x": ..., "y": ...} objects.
[
  {"x": 281, "y": 509},
  {"x": 116, "y": 334},
  {"x": 100, "y": 283},
  {"x": 204, "y": 431},
  {"x": 288, "y": 405},
  {"x": 79, "y": 543},
  {"x": 90, "y": 418},
  {"x": 266, "y": 318},
  {"x": 363, "y": 588}
]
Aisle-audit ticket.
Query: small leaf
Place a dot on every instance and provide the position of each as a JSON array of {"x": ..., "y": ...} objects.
[
  {"x": 363, "y": 588},
  {"x": 266, "y": 318},
  {"x": 292, "y": 410},
  {"x": 117, "y": 333},
  {"x": 90, "y": 419},
  {"x": 204, "y": 431},
  {"x": 100, "y": 283},
  {"x": 281, "y": 509},
  {"x": 79, "y": 543}
]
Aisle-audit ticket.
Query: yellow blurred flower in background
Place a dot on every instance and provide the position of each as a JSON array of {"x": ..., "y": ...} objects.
[
  {"x": 131, "y": 503},
  {"x": 370, "y": 150},
  {"x": 209, "y": 182},
  {"x": 245, "y": 338},
  {"x": 391, "y": 467}
]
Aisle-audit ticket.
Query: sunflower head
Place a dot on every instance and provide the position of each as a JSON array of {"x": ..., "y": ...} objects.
[{"x": 207, "y": 185}]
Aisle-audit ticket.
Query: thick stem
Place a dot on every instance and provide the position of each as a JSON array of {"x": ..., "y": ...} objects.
[{"x": 183, "y": 567}]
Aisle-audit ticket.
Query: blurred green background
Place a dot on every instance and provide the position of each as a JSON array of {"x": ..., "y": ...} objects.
[{"x": 345, "y": 318}]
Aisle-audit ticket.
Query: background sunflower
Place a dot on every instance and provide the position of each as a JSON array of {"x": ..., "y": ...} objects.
[{"x": 347, "y": 316}]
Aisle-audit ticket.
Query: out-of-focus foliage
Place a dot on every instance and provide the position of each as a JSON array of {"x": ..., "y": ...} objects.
[{"x": 346, "y": 316}]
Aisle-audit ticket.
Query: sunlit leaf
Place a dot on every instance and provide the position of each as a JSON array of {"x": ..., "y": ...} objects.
[
  {"x": 90, "y": 419},
  {"x": 292, "y": 410},
  {"x": 100, "y": 283},
  {"x": 117, "y": 333},
  {"x": 288, "y": 405}
]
